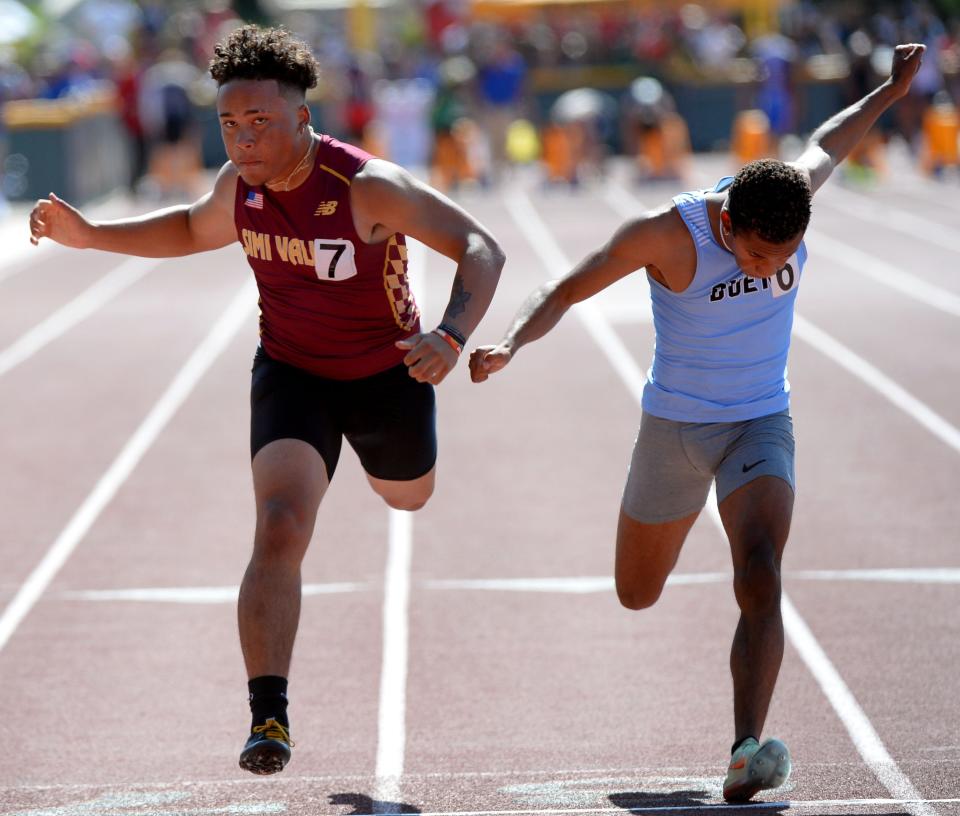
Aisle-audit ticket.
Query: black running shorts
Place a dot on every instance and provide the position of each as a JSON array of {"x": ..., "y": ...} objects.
[{"x": 389, "y": 418}]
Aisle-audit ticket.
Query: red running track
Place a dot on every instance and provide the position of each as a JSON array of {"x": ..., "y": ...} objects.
[{"x": 506, "y": 679}]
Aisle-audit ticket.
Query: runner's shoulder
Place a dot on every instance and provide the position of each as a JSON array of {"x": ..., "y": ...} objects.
[
  {"x": 674, "y": 256},
  {"x": 227, "y": 177},
  {"x": 663, "y": 226},
  {"x": 378, "y": 177},
  {"x": 224, "y": 189}
]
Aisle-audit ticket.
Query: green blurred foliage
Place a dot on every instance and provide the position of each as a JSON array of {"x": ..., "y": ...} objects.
[
  {"x": 949, "y": 10},
  {"x": 251, "y": 11}
]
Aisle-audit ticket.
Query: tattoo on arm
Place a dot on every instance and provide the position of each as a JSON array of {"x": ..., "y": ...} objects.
[{"x": 458, "y": 298}]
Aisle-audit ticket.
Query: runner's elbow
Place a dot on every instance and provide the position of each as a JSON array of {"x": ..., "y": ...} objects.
[{"x": 481, "y": 244}]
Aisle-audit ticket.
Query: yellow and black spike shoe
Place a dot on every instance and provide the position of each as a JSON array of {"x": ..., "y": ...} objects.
[{"x": 268, "y": 748}]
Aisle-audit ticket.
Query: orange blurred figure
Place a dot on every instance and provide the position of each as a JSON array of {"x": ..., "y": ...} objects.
[
  {"x": 751, "y": 138},
  {"x": 941, "y": 131}
]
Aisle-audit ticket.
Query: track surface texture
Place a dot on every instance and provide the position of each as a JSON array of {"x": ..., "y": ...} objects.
[{"x": 506, "y": 679}]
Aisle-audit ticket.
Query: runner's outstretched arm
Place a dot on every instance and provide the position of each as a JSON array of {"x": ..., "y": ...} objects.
[
  {"x": 387, "y": 199},
  {"x": 650, "y": 240},
  {"x": 834, "y": 139},
  {"x": 167, "y": 233}
]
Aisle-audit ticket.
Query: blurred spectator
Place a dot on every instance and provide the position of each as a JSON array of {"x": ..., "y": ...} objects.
[
  {"x": 358, "y": 106},
  {"x": 921, "y": 25},
  {"x": 941, "y": 136},
  {"x": 68, "y": 69},
  {"x": 574, "y": 146},
  {"x": 713, "y": 41},
  {"x": 502, "y": 75},
  {"x": 402, "y": 118},
  {"x": 654, "y": 133},
  {"x": 14, "y": 84},
  {"x": 866, "y": 160},
  {"x": 515, "y": 68},
  {"x": 776, "y": 57},
  {"x": 127, "y": 76},
  {"x": 170, "y": 126},
  {"x": 460, "y": 148}
]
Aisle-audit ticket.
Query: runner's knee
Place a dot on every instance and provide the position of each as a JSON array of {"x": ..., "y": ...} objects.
[
  {"x": 756, "y": 583},
  {"x": 283, "y": 530},
  {"x": 405, "y": 495},
  {"x": 408, "y": 503},
  {"x": 639, "y": 597}
]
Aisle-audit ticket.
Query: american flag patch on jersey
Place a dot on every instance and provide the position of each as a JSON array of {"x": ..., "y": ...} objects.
[{"x": 254, "y": 200}]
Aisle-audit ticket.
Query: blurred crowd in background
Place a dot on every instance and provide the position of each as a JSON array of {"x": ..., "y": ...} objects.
[{"x": 468, "y": 89}]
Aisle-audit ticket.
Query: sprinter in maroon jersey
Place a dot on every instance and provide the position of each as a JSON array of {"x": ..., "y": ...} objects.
[{"x": 341, "y": 350}]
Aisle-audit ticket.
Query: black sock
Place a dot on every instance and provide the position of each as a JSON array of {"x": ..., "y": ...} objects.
[
  {"x": 268, "y": 698},
  {"x": 740, "y": 742}
]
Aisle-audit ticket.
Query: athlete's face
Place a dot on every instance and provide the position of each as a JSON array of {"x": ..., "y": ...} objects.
[
  {"x": 755, "y": 257},
  {"x": 262, "y": 128}
]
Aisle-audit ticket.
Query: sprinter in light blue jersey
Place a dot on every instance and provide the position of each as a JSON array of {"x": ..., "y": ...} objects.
[{"x": 724, "y": 266}]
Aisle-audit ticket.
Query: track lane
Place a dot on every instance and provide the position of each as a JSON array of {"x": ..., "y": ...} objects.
[
  {"x": 498, "y": 682},
  {"x": 71, "y": 407},
  {"x": 565, "y": 235},
  {"x": 569, "y": 527}
]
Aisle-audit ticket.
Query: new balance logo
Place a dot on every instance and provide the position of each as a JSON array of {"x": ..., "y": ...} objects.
[{"x": 326, "y": 208}]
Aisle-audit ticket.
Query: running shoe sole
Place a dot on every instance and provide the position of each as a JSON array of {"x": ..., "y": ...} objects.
[
  {"x": 768, "y": 768},
  {"x": 266, "y": 757}
]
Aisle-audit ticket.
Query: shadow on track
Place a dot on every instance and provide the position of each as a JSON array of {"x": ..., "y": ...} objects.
[
  {"x": 640, "y": 801},
  {"x": 692, "y": 800},
  {"x": 364, "y": 805},
  {"x": 699, "y": 800}
]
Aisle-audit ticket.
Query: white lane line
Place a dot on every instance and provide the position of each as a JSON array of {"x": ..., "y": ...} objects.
[
  {"x": 139, "y": 443},
  {"x": 77, "y": 310},
  {"x": 573, "y": 585},
  {"x": 889, "y": 775},
  {"x": 392, "y": 712},
  {"x": 919, "y": 575},
  {"x": 15, "y": 240},
  {"x": 893, "y": 277},
  {"x": 877, "y": 380},
  {"x": 906, "y": 283},
  {"x": 627, "y": 206},
  {"x": 583, "y": 585},
  {"x": 195, "y": 595},
  {"x": 557, "y": 264},
  {"x": 391, "y": 723},
  {"x": 783, "y": 804},
  {"x": 15, "y": 256},
  {"x": 864, "y": 736},
  {"x": 129, "y": 803},
  {"x": 892, "y": 218},
  {"x": 589, "y": 584}
]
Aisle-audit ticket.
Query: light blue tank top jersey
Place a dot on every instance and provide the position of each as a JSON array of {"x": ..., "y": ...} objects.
[{"x": 722, "y": 343}]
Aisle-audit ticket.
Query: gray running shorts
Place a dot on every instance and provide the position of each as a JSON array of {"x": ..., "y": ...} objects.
[{"x": 674, "y": 463}]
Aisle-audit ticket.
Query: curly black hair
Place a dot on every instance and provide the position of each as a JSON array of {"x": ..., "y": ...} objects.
[
  {"x": 252, "y": 52},
  {"x": 771, "y": 199}
]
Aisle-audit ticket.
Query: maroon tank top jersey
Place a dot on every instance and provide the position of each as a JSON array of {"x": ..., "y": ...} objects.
[{"x": 329, "y": 303}]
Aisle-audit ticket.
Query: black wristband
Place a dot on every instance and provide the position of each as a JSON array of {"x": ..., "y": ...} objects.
[{"x": 453, "y": 333}]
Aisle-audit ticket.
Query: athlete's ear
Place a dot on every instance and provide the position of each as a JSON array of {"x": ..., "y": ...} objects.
[{"x": 303, "y": 115}]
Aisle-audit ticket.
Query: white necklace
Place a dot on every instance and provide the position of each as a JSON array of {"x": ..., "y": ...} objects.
[{"x": 286, "y": 181}]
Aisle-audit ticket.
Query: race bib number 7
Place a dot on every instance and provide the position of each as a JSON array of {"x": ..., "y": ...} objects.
[{"x": 334, "y": 259}]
